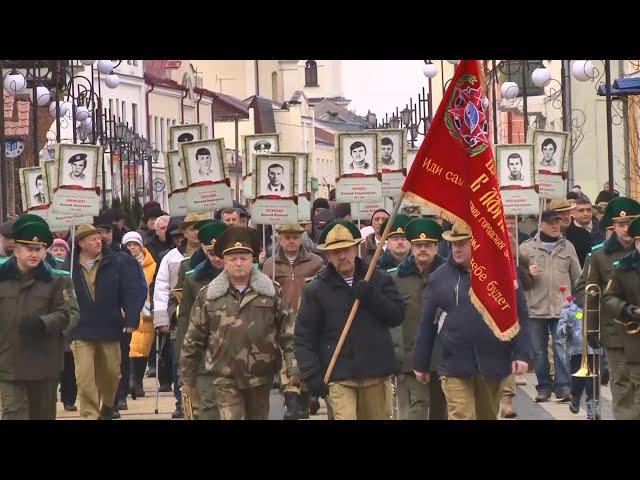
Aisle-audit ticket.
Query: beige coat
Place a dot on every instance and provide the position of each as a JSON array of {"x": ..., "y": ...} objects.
[{"x": 558, "y": 268}]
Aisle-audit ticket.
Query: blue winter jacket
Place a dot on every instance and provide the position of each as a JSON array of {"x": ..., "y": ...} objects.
[
  {"x": 570, "y": 330},
  {"x": 119, "y": 286},
  {"x": 466, "y": 342}
]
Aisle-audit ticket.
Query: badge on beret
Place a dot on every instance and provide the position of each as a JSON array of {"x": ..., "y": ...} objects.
[
  {"x": 238, "y": 244},
  {"x": 423, "y": 236},
  {"x": 623, "y": 213}
]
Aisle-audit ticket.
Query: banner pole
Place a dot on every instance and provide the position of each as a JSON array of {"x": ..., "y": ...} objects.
[
  {"x": 370, "y": 270},
  {"x": 541, "y": 209},
  {"x": 73, "y": 244},
  {"x": 273, "y": 254},
  {"x": 517, "y": 242},
  {"x": 360, "y": 244}
]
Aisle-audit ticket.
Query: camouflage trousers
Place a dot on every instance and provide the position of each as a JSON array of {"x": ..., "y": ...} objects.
[
  {"x": 246, "y": 404},
  {"x": 202, "y": 401},
  {"x": 285, "y": 386}
]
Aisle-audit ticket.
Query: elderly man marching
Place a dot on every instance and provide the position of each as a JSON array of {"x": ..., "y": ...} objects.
[
  {"x": 294, "y": 265},
  {"x": 471, "y": 362},
  {"x": 357, "y": 386},
  {"x": 598, "y": 269},
  {"x": 240, "y": 323},
  {"x": 411, "y": 277},
  {"x": 37, "y": 306},
  {"x": 621, "y": 300},
  {"x": 194, "y": 280}
]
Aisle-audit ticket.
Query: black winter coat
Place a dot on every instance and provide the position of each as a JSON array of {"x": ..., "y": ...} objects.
[
  {"x": 120, "y": 284},
  {"x": 325, "y": 306},
  {"x": 581, "y": 240},
  {"x": 466, "y": 343}
]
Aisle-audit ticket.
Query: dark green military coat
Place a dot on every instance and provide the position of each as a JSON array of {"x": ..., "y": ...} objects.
[
  {"x": 623, "y": 289},
  {"x": 598, "y": 269},
  {"x": 410, "y": 283},
  {"x": 43, "y": 292}
]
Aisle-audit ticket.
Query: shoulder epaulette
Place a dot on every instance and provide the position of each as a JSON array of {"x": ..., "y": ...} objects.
[
  {"x": 596, "y": 247},
  {"x": 59, "y": 272},
  {"x": 189, "y": 272},
  {"x": 390, "y": 270},
  {"x": 616, "y": 263}
]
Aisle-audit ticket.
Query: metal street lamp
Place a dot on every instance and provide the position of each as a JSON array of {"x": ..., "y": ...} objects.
[
  {"x": 406, "y": 116},
  {"x": 394, "y": 121},
  {"x": 120, "y": 129},
  {"x": 156, "y": 154}
]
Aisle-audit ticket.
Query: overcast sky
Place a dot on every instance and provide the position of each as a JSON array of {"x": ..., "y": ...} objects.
[{"x": 381, "y": 85}]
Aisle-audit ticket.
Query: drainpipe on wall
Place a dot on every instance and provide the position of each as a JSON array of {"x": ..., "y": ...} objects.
[
  {"x": 186, "y": 92},
  {"x": 198, "y": 108},
  {"x": 153, "y": 85}
]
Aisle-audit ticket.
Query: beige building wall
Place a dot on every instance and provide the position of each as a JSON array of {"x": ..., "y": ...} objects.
[{"x": 324, "y": 169}]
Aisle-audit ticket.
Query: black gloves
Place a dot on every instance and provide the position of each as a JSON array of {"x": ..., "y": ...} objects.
[
  {"x": 628, "y": 313},
  {"x": 594, "y": 341},
  {"x": 363, "y": 290},
  {"x": 317, "y": 387},
  {"x": 33, "y": 326}
]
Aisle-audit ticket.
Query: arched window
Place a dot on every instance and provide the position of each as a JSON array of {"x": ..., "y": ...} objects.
[
  {"x": 274, "y": 86},
  {"x": 310, "y": 74}
]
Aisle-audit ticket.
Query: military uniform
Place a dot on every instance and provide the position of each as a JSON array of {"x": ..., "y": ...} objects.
[
  {"x": 598, "y": 269},
  {"x": 37, "y": 306},
  {"x": 621, "y": 299},
  {"x": 414, "y": 398},
  {"x": 240, "y": 334},
  {"x": 292, "y": 276},
  {"x": 191, "y": 283}
]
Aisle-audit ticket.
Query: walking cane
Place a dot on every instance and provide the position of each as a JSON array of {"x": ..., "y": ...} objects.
[{"x": 157, "y": 367}]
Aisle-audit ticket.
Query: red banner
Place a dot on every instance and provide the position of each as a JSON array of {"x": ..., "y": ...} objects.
[{"x": 454, "y": 171}]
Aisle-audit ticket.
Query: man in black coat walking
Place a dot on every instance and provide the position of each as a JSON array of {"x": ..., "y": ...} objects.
[
  {"x": 358, "y": 385},
  {"x": 471, "y": 361}
]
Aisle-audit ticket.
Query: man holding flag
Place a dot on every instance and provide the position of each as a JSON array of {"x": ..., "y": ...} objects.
[{"x": 454, "y": 172}]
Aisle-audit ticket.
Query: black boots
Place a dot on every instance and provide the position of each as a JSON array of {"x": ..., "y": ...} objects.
[
  {"x": 303, "y": 405},
  {"x": 291, "y": 403},
  {"x": 107, "y": 413},
  {"x": 314, "y": 405},
  {"x": 138, "y": 365}
]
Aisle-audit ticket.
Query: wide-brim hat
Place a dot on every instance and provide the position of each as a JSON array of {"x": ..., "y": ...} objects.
[
  {"x": 397, "y": 229},
  {"x": 339, "y": 234},
  {"x": 236, "y": 239},
  {"x": 560, "y": 205},
  {"x": 289, "y": 228},
  {"x": 85, "y": 230},
  {"x": 210, "y": 232},
  {"x": 33, "y": 233},
  {"x": 423, "y": 230},
  {"x": 192, "y": 218},
  {"x": 458, "y": 232},
  {"x": 622, "y": 208}
]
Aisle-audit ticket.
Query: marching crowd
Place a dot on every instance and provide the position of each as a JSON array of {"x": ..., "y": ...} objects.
[{"x": 227, "y": 310}]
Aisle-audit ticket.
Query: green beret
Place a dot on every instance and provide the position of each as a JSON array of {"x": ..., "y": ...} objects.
[
  {"x": 78, "y": 157},
  {"x": 621, "y": 208},
  {"x": 423, "y": 230},
  {"x": 210, "y": 230},
  {"x": 236, "y": 239},
  {"x": 398, "y": 227},
  {"x": 33, "y": 233},
  {"x": 202, "y": 223}
]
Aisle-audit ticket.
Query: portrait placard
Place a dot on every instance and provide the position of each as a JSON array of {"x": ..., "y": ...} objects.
[
  {"x": 304, "y": 207},
  {"x": 520, "y": 201},
  {"x": 273, "y": 212},
  {"x": 357, "y": 154},
  {"x": 301, "y": 184},
  {"x": 392, "y": 183},
  {"x": 364, "y": 211},
  {"x": 261, "y": 144},
  {"x": 204, "y": 161},
  {"x": 78, "y": 166},
  {"x": 551, "y": 150},
  {"x": 33, "y": 186},
  {"x": 76, "y": 202},
  {"x": 176, "y": 172},
  {"x": 358, "y": 189},
  {"x": 392, "y": 150},
  {"x": 60, "y": 221},
  {"x": 185, "y": 133},
  {"x": 515, "y": 165},
  {"x": 50, "y": 174},
  {"x": 552, "y": 185},
  {"x": 274, "y": 176},
  {"x": 205, "y": 198}
]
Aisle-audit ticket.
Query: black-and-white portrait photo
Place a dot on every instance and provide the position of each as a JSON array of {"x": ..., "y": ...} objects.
[
  {"x": 390, "y": 150},
  {"x": 550, "y": 150},
  {"x": 77, "y": 165},
  {"x": 515, "y": 165},
  {"x": 204, "y": 161},
  {"x": 176, "y": 171},
  {"x": 275, "y": 175},
  {"x": 34, "y": 187},
  {"x": 185, "y": 133},
  {"x": 262, "y": 144},
  {"x": 358, "y": 154}
]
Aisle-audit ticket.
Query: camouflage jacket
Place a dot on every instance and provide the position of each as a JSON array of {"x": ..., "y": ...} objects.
[{"x": 240, "y": 334}]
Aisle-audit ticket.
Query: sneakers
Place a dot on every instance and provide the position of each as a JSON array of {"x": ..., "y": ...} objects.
[
  {"x": 574, "y": 404},
  {"x": 592, "y": 410},
  {"x": 107, "y": 413},
  {"x": 543, "y": 396},
  {"x": 563, "y": 395},
  {"x": 506, "y": 407}
]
